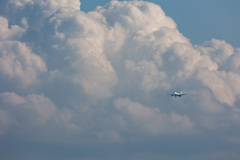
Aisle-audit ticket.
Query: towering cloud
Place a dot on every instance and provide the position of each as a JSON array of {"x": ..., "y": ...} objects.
[{"x": 106, "y": 74}]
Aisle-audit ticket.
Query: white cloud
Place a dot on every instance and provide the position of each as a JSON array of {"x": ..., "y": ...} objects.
[
  {"x": 219, "y": 51},
  {"x": 139, "y": 118},
  {"x": 92, "y": 60},
  {"x": 209, "y": 105},
  {"x": 12, "y": 98},
  {"x": 17, "y": 62},
  {"x": 30, "y": 110},
  {"x": 19, "y": 65},
  {"x": 63, "y": 118},
  {"x": 92, "y": 70},
  {"x": 136, "y": 16},
  {"x": 235, "y": 61},
  {"x": 21, "y": 3},
  {"x": 52, "y": 6},
  {"x": 9, "y": 32},
  {"x": 33, "y": 113},
  {"x": 223, "y": 85},
  {"x": 68, "y": 4},
  {"x": 148, "y": 74}
]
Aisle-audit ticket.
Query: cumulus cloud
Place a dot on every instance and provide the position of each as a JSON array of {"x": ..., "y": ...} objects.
[
  {"x": 32, "y": 113},
  {"x": 30, "y": 110},
  {"x": 54, "y": 6},
  {"x": 150, "y": 120},
  {"x": 21, "y": 3},
  {"x": 151, "y": 77},
  {"x": 222, "y": 84},
  {"x": 19, "y": 64},
  {"x": 106, "y": 74},
  {"x": 218, "y": 50},
  {"x": 9, "y": 32}
]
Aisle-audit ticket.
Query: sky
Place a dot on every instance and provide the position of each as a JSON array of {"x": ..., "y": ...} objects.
[{"x": 82, "y": 82}]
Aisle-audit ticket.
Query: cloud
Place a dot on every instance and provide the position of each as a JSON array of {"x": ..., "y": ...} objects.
[
  {"x": 4, "y": 122},
  {"x": 105, "y": 75},
  {"x": 218, "y": 50},
  {"x": 150, "y": 120},
  {"x": 21, "y": 3},
  {"x": 234, "y": 61},
  {"x": 18, "y": 64},
  {"x": 222, "y": 84},
  {"x": 31, "y": 110},
  {"x": 54, "y": 6},
  {"x": 31, "y": 115},
  {"x": 149, "y": 74},
  {"x": 9, "y": 32}
]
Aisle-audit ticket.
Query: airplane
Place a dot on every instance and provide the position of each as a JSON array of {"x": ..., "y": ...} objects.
[{"x": 176, "y": 94}]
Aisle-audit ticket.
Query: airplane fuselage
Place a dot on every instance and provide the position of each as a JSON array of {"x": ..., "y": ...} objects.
[{"x": 176, "y": 94}]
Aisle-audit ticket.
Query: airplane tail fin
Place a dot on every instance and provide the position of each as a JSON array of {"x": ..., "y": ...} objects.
[{"x": 181, "y": 92}]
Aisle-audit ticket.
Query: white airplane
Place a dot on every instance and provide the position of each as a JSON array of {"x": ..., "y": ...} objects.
[{"x": 176, "y": 94}]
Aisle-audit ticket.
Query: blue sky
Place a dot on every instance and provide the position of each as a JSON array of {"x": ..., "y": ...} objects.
[{"x": 80, "y": 83}]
